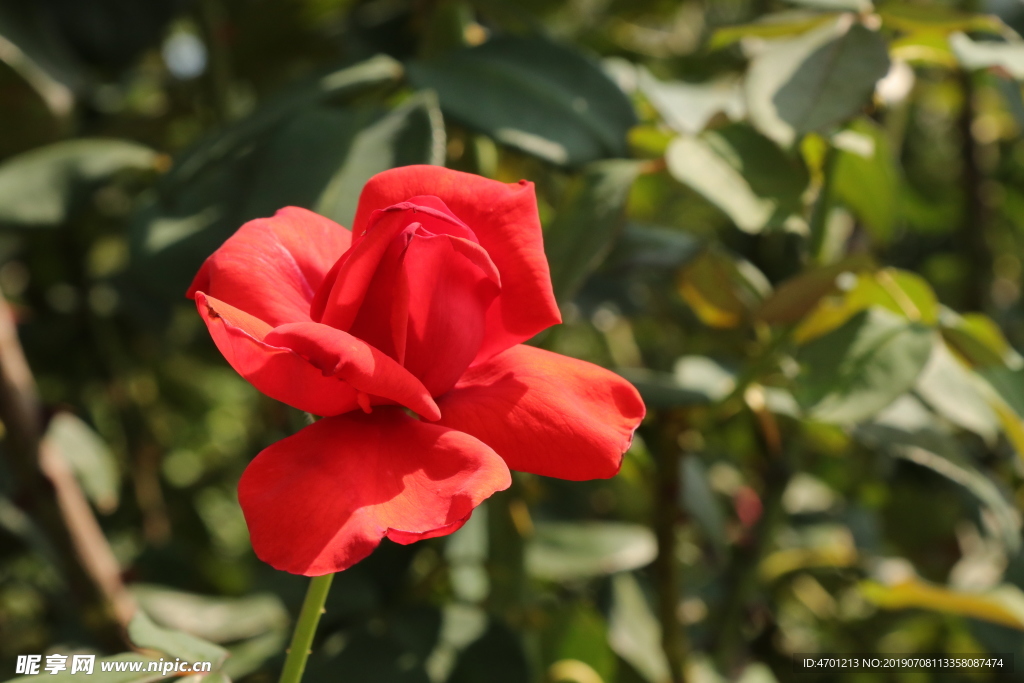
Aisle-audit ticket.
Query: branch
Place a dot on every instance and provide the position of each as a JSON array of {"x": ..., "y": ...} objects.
[{"x": 49, "y": 492}]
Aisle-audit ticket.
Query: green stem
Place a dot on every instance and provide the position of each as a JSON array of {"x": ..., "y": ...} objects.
[
  {"x": 819, "y": 215},
  {"x": 305, "y": 628}
]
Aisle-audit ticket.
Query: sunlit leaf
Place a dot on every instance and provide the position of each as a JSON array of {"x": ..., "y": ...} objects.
[
  {"x": 532, "y": 94},
  {"x": 815, "y": 81},
  {"x": 978, "y": 339},
  {"x": 1003, "y": 605},
  {"x": 740, "y": 171},
  {"x": 580, "y": 635},
  {"x": 721, "y": 289},
  {"x": 149, "y": 636},
  {"x": 91, "y": 459},
  {"x": 586, "y": 223},
  {"x": 634, "y": 632},
  {"x": 688, "y": 107},
  {"x": 39, "y": 188},
  {"x": 974, "y": 55},
  {"x": 562, "y": 551},
  {"x": 869, "y": 184},
  {"x": 217, "y": 619},
  {"x": 948, "y": 387},
  {"x": 775, "y": 25},
  {"x": 858, "y": 369},
  {"x": 795, "y": 297}
]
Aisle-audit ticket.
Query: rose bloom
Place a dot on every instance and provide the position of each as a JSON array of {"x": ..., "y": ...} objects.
[{"x": 405, "y": 334}]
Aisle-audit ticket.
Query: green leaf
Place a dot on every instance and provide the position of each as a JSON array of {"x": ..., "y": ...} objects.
[
  {"x": 411, "y": 134},
  {"x": 318, "y": 158},
  {"x": 741, "y": 172},
  {"x": 1002, "y": 605},
  {"x": 858, "y": 369},
  {"x": 41, "y": 187},
  {"x": 144, "y": 633},
  {"x": 700, "y": 501},
  {"x": 869, "y": 185},
  {"x": 532, "y": 94},
  {"x": 688, "y": 107},
  {"x": 908, "y": 431},
  {"x": 723, "y": 290},
  {"x": 565, "y": 551},
  {"x": 834, "y": 82},
  {"x": 775, "y": 25},
  {"x": 661, "y": 389},
  {"x": 949, "y": 388},
  {"x": 647, "y": 249},
  {"x": 217, "y": 619},
  {"x": 978, "y": 338},
  {"x": 89, "y": 457},
  {"x": 975, "y": 55},
  {"x": 634, "y": 632},
  {"x": 940, "y": 19},
  {"x": 814, "y": 81},
  {"x": 585, "y": 226},
  {"x": 580, "y": 634},
  {"x": 797, "y": 296}
]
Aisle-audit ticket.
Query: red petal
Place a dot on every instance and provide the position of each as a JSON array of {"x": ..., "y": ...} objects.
[
  {"x": 272, "y": 267},
  {"x": 547, "y": 414},
  {"x": 321, "y": 500},
  {"x": 504, "y": 219},
  {"x": 308, "y": 366}
]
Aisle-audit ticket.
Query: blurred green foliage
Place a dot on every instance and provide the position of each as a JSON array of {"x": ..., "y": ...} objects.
[{"x": 796, "y": 227}]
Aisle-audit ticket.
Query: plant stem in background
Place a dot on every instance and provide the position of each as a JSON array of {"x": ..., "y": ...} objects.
[
  {"x": 305, "y": 628},
  {"x": 666, "y": 571},
  {"x": 970, "y": 238},
  {"x": 818, "y": 237},
  {"x": 49, "y": 492}
]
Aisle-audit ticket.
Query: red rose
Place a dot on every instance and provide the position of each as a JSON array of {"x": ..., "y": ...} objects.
[{"x": 422, "y": 307}]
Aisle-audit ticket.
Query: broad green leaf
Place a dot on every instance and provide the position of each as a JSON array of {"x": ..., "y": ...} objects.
[
  {"x": 411, "y": 134},
  {"x": 943, "y": 19},
  {"x": 235, "y": 140},
  {"x": 975, "y": 55},
  {"x": 978, "y": 338},
  {"x": 869, "y": 185},
  {"x": 1003, "y": 605},
  {"x": 124, "y": 660},
  {"x": 740, "y": 171},
  {"x": 586, "y": 223},
  {"x": 532, "y": 94},
  {"x": 89, "y": 457},
  {"x": 924, "y": 48},
  {"x": 722, "y": 290},
  {"x": 949, "y": 388},
  {"x": 908, "y": 431},
  {"x": 797, "y": 296},
  {"x": 147, "y": 635},
  {"x": 815, "y": 81},
  {"x": 688, "y": 107},
  {"x": 39, "y": 188},
  {"x": 699, "y": 500},
  {"x": 579, "y": 634},
  {"x": 834, "y": 82},
  {"x": 317, "y": 158},
  {"x": 634, "y": 632},
  {"x": 217, "y": 619},
  {"x": 775, "y": 25},
  {"x": 564, "y": 551},
  {"x": 858, "y": 369},
  {"x": 902, "y": 292},
  {"x": 648, "y": 249}
]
